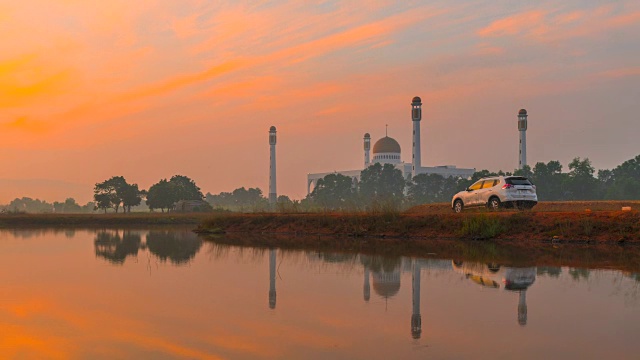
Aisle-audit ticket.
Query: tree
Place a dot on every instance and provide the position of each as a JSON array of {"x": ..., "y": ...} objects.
[
  {"x": 103, "y": 201},
  {"x": 623, "y": 182},
  {"x": 185, "y": 188},
  {"x": 550, "y": 181},
  {"x": 334, "y": 191},
  {"x": 131, "y": 196},
  {"x": 164, "y": 194},
  {"x": 426, "y": 188},
  {"x": 581, "y": 182},
  {"x": 113, "y": 190},
  {"x": 160, "y": 196},
  {"x": 382, "y": 184}
]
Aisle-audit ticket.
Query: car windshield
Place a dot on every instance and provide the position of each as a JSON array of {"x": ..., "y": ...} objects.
[{"x": 518, "y": 181}]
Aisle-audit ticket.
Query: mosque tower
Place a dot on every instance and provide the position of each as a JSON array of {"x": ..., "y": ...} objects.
[
  {"x": 416, "y": 319},
  {"x": 416, "y": 116},
  {"x": 273, "y": 196},
  {"x": 367, "y": 148},
  {"x": 272, "y": 279},
  {"x": 522, "y": 127}
]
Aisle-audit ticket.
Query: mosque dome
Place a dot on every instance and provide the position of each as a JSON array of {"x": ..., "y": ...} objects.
[
  {"x": 417, "y": 99},
  {"x": 272, "y": 129},
  {"x": 522, "y": 112},
  {"x": 386, "y": 145},
  {"x": 367, "y": 135},
  {"x": 386, "y": 284}
]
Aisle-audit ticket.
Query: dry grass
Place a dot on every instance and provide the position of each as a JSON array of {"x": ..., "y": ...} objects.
[
  {"x": 543, "y": 206},
  {"x": 603, "y": 226}
]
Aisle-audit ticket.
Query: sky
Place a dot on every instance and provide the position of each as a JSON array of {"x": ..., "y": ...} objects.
[{"x": 91, "y": 89}]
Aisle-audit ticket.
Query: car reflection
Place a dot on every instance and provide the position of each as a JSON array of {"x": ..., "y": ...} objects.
[{"x": 495, "y": 276}]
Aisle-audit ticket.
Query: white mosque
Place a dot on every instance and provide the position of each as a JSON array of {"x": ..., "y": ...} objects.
[{"x": 387, "y": 151}]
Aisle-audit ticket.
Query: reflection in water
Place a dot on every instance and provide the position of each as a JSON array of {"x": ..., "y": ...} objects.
[
  {"x": 209, "y": 309},
  {"x": 115, "y": 247},
  {"x": 272, "y": 279},
  {"x": 385, "y": 274},
  {"x": 178, "y": 247},
  {"x": 491, "y": 275},
  {"x": 416, "y": 320}
]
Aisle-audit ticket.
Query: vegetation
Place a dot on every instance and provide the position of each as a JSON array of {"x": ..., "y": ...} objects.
[
  {"x": 115, "y": 192},
  {"x": 383, "y": 186},
  {"x": 165, "y": 194},
  {"x": 29, "y": 205}
]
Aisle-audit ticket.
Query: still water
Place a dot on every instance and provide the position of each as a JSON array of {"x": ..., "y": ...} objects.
[{"x": 167, "y": 294}]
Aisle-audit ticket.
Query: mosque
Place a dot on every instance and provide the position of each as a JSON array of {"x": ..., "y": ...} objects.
[{"x": 387, "y": 151}]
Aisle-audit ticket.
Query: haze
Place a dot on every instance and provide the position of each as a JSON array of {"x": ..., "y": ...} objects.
[{"x": 150, "y": 89}]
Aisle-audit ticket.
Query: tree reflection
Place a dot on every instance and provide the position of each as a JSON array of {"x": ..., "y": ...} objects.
[
  {"x": 178, "y": 247},
  {"x": 578, "y": 274},
  {"x": 115, "y": 248}
]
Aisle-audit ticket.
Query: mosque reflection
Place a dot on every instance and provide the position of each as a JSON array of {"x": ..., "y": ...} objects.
[
  {"x": 178, "y": 247},
  {"x": 384, "y": 274}
]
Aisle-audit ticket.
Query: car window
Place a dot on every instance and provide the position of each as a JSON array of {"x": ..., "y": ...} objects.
[
  {"x": 518, "y": 181},
  {"x": 476, "y": 186},
  {"x": 488, "y": 184}
]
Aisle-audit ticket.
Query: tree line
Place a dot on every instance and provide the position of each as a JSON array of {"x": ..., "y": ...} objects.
[
  {"x": 380, "y": 187},
  {"x": 116, "y": 193},
  {"x": 384, "y": 186}
]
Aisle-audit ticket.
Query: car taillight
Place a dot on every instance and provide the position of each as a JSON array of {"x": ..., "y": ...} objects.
[{"x": 507, "y": 186}]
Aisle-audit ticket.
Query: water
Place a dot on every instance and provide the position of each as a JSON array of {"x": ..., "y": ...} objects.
[{"x": 168, "y": 294}]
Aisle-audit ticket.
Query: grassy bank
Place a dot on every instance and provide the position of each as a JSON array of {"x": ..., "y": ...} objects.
[
  {"x": 8, "y": 221},
  {"x": 597, "y": 227}
]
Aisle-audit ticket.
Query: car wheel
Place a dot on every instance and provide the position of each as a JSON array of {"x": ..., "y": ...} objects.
[
  {"x": 458, "y": 206},
  {"x": 494, "y": 204}
]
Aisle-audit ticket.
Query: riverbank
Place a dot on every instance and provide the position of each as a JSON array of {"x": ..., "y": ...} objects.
[{"x": 613, "y": 227}]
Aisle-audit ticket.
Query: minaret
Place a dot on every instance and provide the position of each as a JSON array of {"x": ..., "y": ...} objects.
[
  {"x": 522, "y": 127},
  {"x": 272, "y": 279},
  {"x": 273, "y": 195},
  {"x": 366, "y": 288},
  {"x": 522, "y": 308},
  {"x": 416, "y": 116},
  {"x": 367, "y": 148},
  {"x": 416, "y": 319}
]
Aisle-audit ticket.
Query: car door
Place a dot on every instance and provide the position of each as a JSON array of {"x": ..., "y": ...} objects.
[
  {"x": 472, "y": 193},
  {"x": 486, "y": 191}
]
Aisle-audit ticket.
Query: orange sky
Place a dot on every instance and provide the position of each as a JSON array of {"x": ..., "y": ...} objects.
[{"x": 149, "y": 89}]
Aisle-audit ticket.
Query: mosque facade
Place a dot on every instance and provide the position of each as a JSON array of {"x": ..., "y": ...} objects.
[{"x": 388, "y": 151}]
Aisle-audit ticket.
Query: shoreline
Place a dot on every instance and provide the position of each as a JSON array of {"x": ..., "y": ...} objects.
[{"x": 605, "y": 227}]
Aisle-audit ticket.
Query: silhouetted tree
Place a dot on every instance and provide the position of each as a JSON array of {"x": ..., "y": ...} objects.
[
  {"x": 382, "y": 185},
  {"x": 334, "y": 191}
]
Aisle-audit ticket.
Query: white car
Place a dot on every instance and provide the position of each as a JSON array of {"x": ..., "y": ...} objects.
[{"x": 496, "y": 192}]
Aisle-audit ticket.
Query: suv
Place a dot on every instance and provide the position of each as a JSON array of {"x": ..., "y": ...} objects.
[{"x": 497, "y": 192}]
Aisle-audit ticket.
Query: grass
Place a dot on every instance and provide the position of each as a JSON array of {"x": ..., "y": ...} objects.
[
  {"x": 482, "y": 227},
  {"x": 524, "y": 226}
]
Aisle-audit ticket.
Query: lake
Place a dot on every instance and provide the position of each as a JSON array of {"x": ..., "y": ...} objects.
[{"x": 165, "y": 293}]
